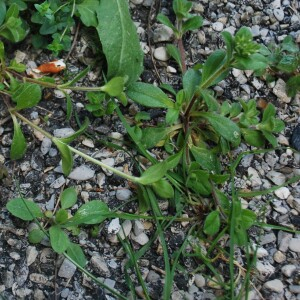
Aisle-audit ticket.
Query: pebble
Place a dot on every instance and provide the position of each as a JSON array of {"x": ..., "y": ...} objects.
[
  {"x": 31, "y": 255},
  {"x": 279, "y": 257},
  {"x": 89, "y": 143},
  {"x": 261, "y": 252},
  {"x": 218, "y": 26},
  {"x": 63, "y": 132},
  {"x": 152, "y": 276},
  {"x": 295, "y": 289},
  {"x": 108, "y": 162},
  {"x": 20, "y": 56},
  {"x": 288, "y": 270},
  {"x": 268, "y": 238},
  {"x": 294, "y": 244},
  {"x": 125, "y": 230},
  {"x": 163, "y": 33},
  {"x": 46, "y": 145},
  {"x": 82, "y": 172},
  {"x": 283, "y": 240},
  {"x": 14, "y": 255},
  {"x": 282, "y": 193},
  {"x": 99, "y": 264},
  {"x": 274, "y": 285},
  {"x": 278, "y": 14},
  {"x": 67, "y": 269},
  {"x": 171, "y": 70},
  {"x": 264, "y": 269},
  {"x": 138, "y": 227},
  {"x": 136, "y": 2},
  {"x": 123, "y": 194},
  {"x": 201, "y": 37},
  {"x": 276, "y": 177},
  {"x": 279, "y": 91},
  {"x": 38, "y": 278},
  {"x": 141, "y": 239},
  {"x": 199, "y": 280},
  {"x": 254, "y": 177},
  {"x": 57, "y": 183},
  {"x": 114, "y": 226},
  {"x": 109, "y": 282},
  {"x": 295, "y": 138},
  {"x": 161, "y": 53}
]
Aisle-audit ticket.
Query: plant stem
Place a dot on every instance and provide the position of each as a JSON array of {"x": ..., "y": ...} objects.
[
  {"x": 87, "y": 157},
  {"x": 182, "y": 54}
]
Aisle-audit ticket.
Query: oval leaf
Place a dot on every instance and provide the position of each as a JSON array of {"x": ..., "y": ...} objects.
[
  {"x": 163, "y": 188},
  {"x": 27, "y": 95},
  {"x": 35, "y": 236},
  {"x": 68, "y": 198},
  {"x": 24, "y": 209},
  {"x": 76, "y": 253},
  {"x": 212, "y": 223},
  {"x": 58, "y": 239}
]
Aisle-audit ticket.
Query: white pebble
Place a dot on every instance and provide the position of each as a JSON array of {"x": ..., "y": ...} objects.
[
  {"x": 114, "y": 226},
  {"x": 123, "y": 194},
  {"x": 288, "y": 270},
  {"x": 218, "y": 26},
  {"x": 82, "y": 172},
  {"x": 282, "y": 193},
  {"x": 274, "y": 285},
  {"x": 141, "y": 239},
  {"x": 294, "y": 245},
  {"x": 161, "y": 53}
]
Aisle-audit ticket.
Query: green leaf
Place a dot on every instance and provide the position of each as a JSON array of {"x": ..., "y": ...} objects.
[
  {"x": 68, "y": 198},
  {"x": 35, "y": 236},
  {"x": 198, "y": 181},
  {"x": 212, "y": 223},
  {"x": 228, "y": 39},
  {"x": 211, "y": 102},
  {"x": 269, "y": 112},
  {"x": 206, "y": 159},
  {"x": 181, "y": 8},
  {"x": 270, "y": 137},
  {"x": 254, "y": 62},
  {"x": 288, "y": 63},
  {"x": 175, "y": 54},
  {"x": 69, "y": 107},
  {"x": 152, "y": 135},
  {"x": 24, "y": 209},
  {"x": 13, "y": 11},
  {"x": 18, "y": 145},
  {"x": 224, "y": 126},
  {"x": 2, "y": 11},
  {"x": 190, "y": 81},
  {"x": 248, "y": 218},
  {"x": 293, "y": 86},
  {"x": 166, "y": 21},
  {"x": 149, "y": 95},
  {"x": 27, "y": 95},
  {"x": 87, "y": 10},
  {"x": 76, "y": 253},
  {"x": 18, "y": 67},
  {"x": 76, "y": 78},
  {"x": 172, "y": 116},
  {"x": 58, "y": 239},
  {"x": 163, "y": 188},
  {"x": 192, "y": 23},
  {"x": 76, "y": 134},
  {"x": 14, "y": 29},
  {"x": 289, "y": 45},
  {"x": 61, "y": 216},
  {"x": 93, "y": 212},
  {"x": 214, "y": 69},
  {"x": 119, "y": 40},
  {"x": 253, "y": 137},
  {"x": 66, "y": 156},
  {"x": 2, "y": 53},
  {"x": 223, "y": 200},
  {"x": 114, "y": 87}
]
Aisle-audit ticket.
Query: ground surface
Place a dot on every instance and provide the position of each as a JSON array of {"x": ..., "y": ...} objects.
[{"x": 36, "y": 272}]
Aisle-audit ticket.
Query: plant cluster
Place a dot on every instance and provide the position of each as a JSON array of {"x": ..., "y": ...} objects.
[{"x": 198, "y": 127}]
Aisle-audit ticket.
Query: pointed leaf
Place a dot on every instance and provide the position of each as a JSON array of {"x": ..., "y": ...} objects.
[
  {"x": 163, "y": 188},
  {"x": 166, "y": 21},
  {"x": 192, "y": 23},
  {"x": 27, "y": 95},
  {"x": 76, "y": 253},
  {"x": 119, "y": 40},
  {"x": 58, "y": 239},
  {"x": 149, "y": 95},
  {"x": 175, "y": 54},
  {"x": 66, "y": 156},
  {"x": 24, "y": 209},
  {"x": 115, "y": 86},
  {"x": 190, "y": 81},
  {"x": 212, "y": 223},
  {"x": 18, "y": 145},
  {"x": 87, "y": 10},
  {"x": 228, "y": 39},
  {"x": 2, "y": 11}
]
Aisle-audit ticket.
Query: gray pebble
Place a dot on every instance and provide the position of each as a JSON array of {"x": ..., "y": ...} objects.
[
  {"x": 274, "y": 285},
  {"x": 199, "y": 280},
  {"x": 31, "y": 255},
  {"x": 288, "y": 270},
  {"x": 152, "y": 276},
  {"x": 278, "y": 14},
  {"x": 162, "y": 33},
  {"x": 63, "y": 132},
  {"x": 294, "y": 244},
  {"x": 276, "y": 177},
  {"x": 99, "y": 264},
  {"x": 82, "y": 172},
  {"x": 67, "y": 269},
  {"x": 218, "y": 26},
  {"x": 295, "y": 289},
  {"x": 160, "y": 53},
  {"x": 123, "y": 194}
]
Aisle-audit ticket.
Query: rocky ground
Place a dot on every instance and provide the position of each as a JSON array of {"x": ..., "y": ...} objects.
[{"x": 36, "y": 272}]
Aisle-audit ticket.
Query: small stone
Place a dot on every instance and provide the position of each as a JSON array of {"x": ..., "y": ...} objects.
[
  {"x": 295, "y": 289},
  {"x": 65, "y": 293},
  {"x": 264, "y": 269},
  {"x": 141, "y": 239},
  {"x": 199, "y": 280},
  {"x": 109, "y": 282},
  {"x": 276, "y": 177},
  {"x": 99, "y": 264},
  {"x": 89, "y": 143},
  {"x": 279, "y": 257},
  {"x": 288, "y": 270},
  {"x": 109, "y": 162},
  {"x": 14, "y": 255},
  {"x": 268, "y": 238},
  {"x": 31, "y": 255},
  {"x": 282, "y": 193},
  {"x": 136, "y": 2},
  {"x": 153, "y": 276},
  {"x": 138, "y": 227},
  {"x": 82, "y": 172},
  {"x": 63, "y": 132},
  {"x": 294, "y": 244},
  {"x": 295, "y": 138},
  {"x": 67, "y": 269},
  {"x": 278, "y": 14},
  {"x": 198, "y": 7},
  {"x": 254, "y": 177},
  {"x": 125, "y": 229},
  {"x": 279, "y": 90},
  {"x": 20, "y": 56},
  {"x": 38, "y": 278},
  {"x": 161, "y": 53},
  {"x": 171, "y": 70},
  {"x": 218, "y": 26},
  {"x": 283, "y": 240},
  {"x": 114, "y": 226},
  {"x": 123, "y": 194},
  {"x": 163, "y": 33},
  {"x": 38, "y": 295},
  {"x": 261, "y": 252},
  {"x": 46, "y": 145},
  {"x": 274, "y": 285},
  {"x": 201, "y": 37}
]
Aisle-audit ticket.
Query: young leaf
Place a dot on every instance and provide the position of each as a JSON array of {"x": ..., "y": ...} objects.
[
  {"x": 175, "y": 54},
  {"x": 66, "y": 156},
  {"x": 76, "y": 253},
  {"x": 68, "y": 198},
  {"x": 121, "y": 47},
  {"x": 18, "y": 145},
  {"x": 149, "y": 95},
  {"x": 211, "y": 102},
  {"x": 115, "y": 86},
  {"x": 93, "y": 212},
  {"x": 24, "y": 209},
  {"x": 214, "y": 69},
  {"x": 254, "y": 62},
  {"x": 166, "y": 21},
  {"x": 27, "y": 95},
  {"x": 181, "y": 8},
  {"x": 163, "y": 188},
  {"x": 2, "y": 52},
  {"x": 192, "y": 23},
  {"x": 58, "y": 239},
  {"x": 253, "y": 137},
  {"x": 198, "y": 181},
  {"x": 35, "y": 236},
  {"x": 87, "y": 10},
  {"x": 61, "y": 216},
  {"x": 190, "y": 81},
  {"x": 293, "y": 86},
  {"x": 212, "y": 223},
  {"x": 69, "y": 107},
  {"x": 228, "y": 39},
  {"x": 152, "y": 135},
  {"x": 270, "y": 137},
  {"x": 224, "y": 126},
  {"x": 16, "y": 66}
]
